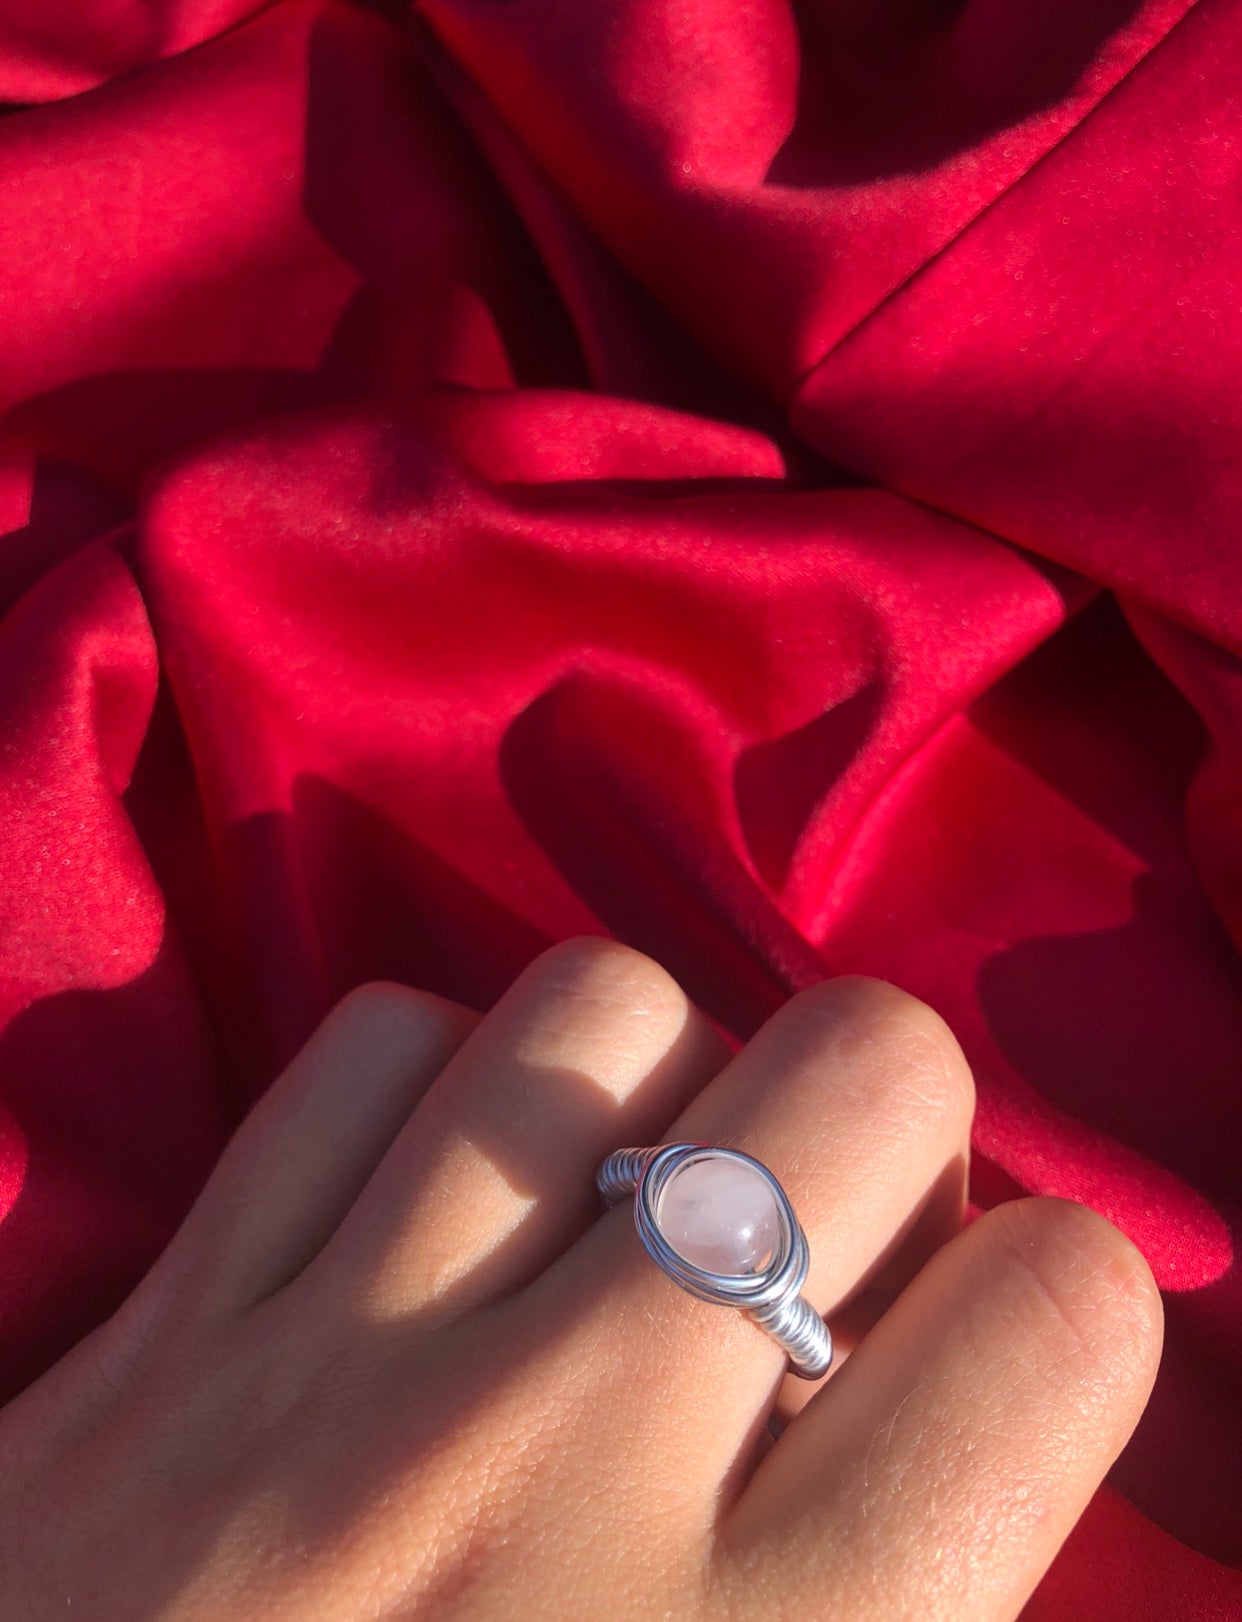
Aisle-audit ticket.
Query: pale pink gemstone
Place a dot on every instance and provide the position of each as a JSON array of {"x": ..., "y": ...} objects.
[{"x": 720, "y": 1215}]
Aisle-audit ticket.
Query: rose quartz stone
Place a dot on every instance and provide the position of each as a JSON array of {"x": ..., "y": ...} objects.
[{"x": 720, "y": 1215}]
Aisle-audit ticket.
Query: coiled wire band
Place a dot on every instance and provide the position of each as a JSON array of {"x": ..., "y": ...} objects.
[{"x": 771, "y": 1297}]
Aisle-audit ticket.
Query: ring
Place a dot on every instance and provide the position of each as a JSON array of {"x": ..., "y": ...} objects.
[{"x": 720, "y": 1225}]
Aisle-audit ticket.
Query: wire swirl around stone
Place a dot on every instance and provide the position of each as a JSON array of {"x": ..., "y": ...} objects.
[{"x": 770, "y": 1295}]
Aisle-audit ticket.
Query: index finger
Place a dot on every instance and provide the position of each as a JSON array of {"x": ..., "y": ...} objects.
[{"x": 941, "y": 1470}]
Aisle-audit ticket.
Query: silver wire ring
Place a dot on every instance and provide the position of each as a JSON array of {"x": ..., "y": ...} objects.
[{"x": 769, "y": 1297}]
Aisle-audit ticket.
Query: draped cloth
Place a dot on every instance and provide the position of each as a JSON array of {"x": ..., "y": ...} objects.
[{"x": 759, "y": 479}]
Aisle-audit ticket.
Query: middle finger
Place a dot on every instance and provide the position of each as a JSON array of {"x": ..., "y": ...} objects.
[{"x": 859, "y": 1100}]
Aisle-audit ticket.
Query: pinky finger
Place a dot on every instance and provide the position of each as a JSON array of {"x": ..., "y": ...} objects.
[
  {"x": 941, "y": 1470},
  {"x": 302, "y": 1156}
]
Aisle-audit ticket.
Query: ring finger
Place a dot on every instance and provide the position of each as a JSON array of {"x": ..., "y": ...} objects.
[{"x": 593, "y": 1041}]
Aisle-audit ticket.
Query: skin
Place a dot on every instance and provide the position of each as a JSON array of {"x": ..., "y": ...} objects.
[{"x": 396, "y": 1364}]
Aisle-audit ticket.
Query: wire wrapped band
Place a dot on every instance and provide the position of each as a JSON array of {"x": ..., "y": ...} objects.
[{"x": 770, "y": 1297}]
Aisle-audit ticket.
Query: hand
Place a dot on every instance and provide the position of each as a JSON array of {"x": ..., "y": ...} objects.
[{"x": 396, "y": 1364}]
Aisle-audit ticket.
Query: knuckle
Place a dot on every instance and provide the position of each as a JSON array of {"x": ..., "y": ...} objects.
[
  {"x": 597, "y": 968},
  {"x": 905, "y": 1051},
  {"x": 400, "y": 1014},
  {"x": 1099, "y": 1292}
]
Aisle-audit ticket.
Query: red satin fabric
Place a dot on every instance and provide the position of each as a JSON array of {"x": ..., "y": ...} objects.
[{"x": 760, "y": 481}]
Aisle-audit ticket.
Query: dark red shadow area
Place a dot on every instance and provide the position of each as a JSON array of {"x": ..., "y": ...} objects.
[{"x": 898, "y": 87}]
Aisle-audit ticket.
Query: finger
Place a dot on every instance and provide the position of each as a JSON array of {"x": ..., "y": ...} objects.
[
  {"x": 306, "y": 1149},
  {"x": 939, "y": 1219},
  {"x": 493, "y": 1176},
  {"x": 859, "y": 1100},
  {"x": 943, "y": 1469}
]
